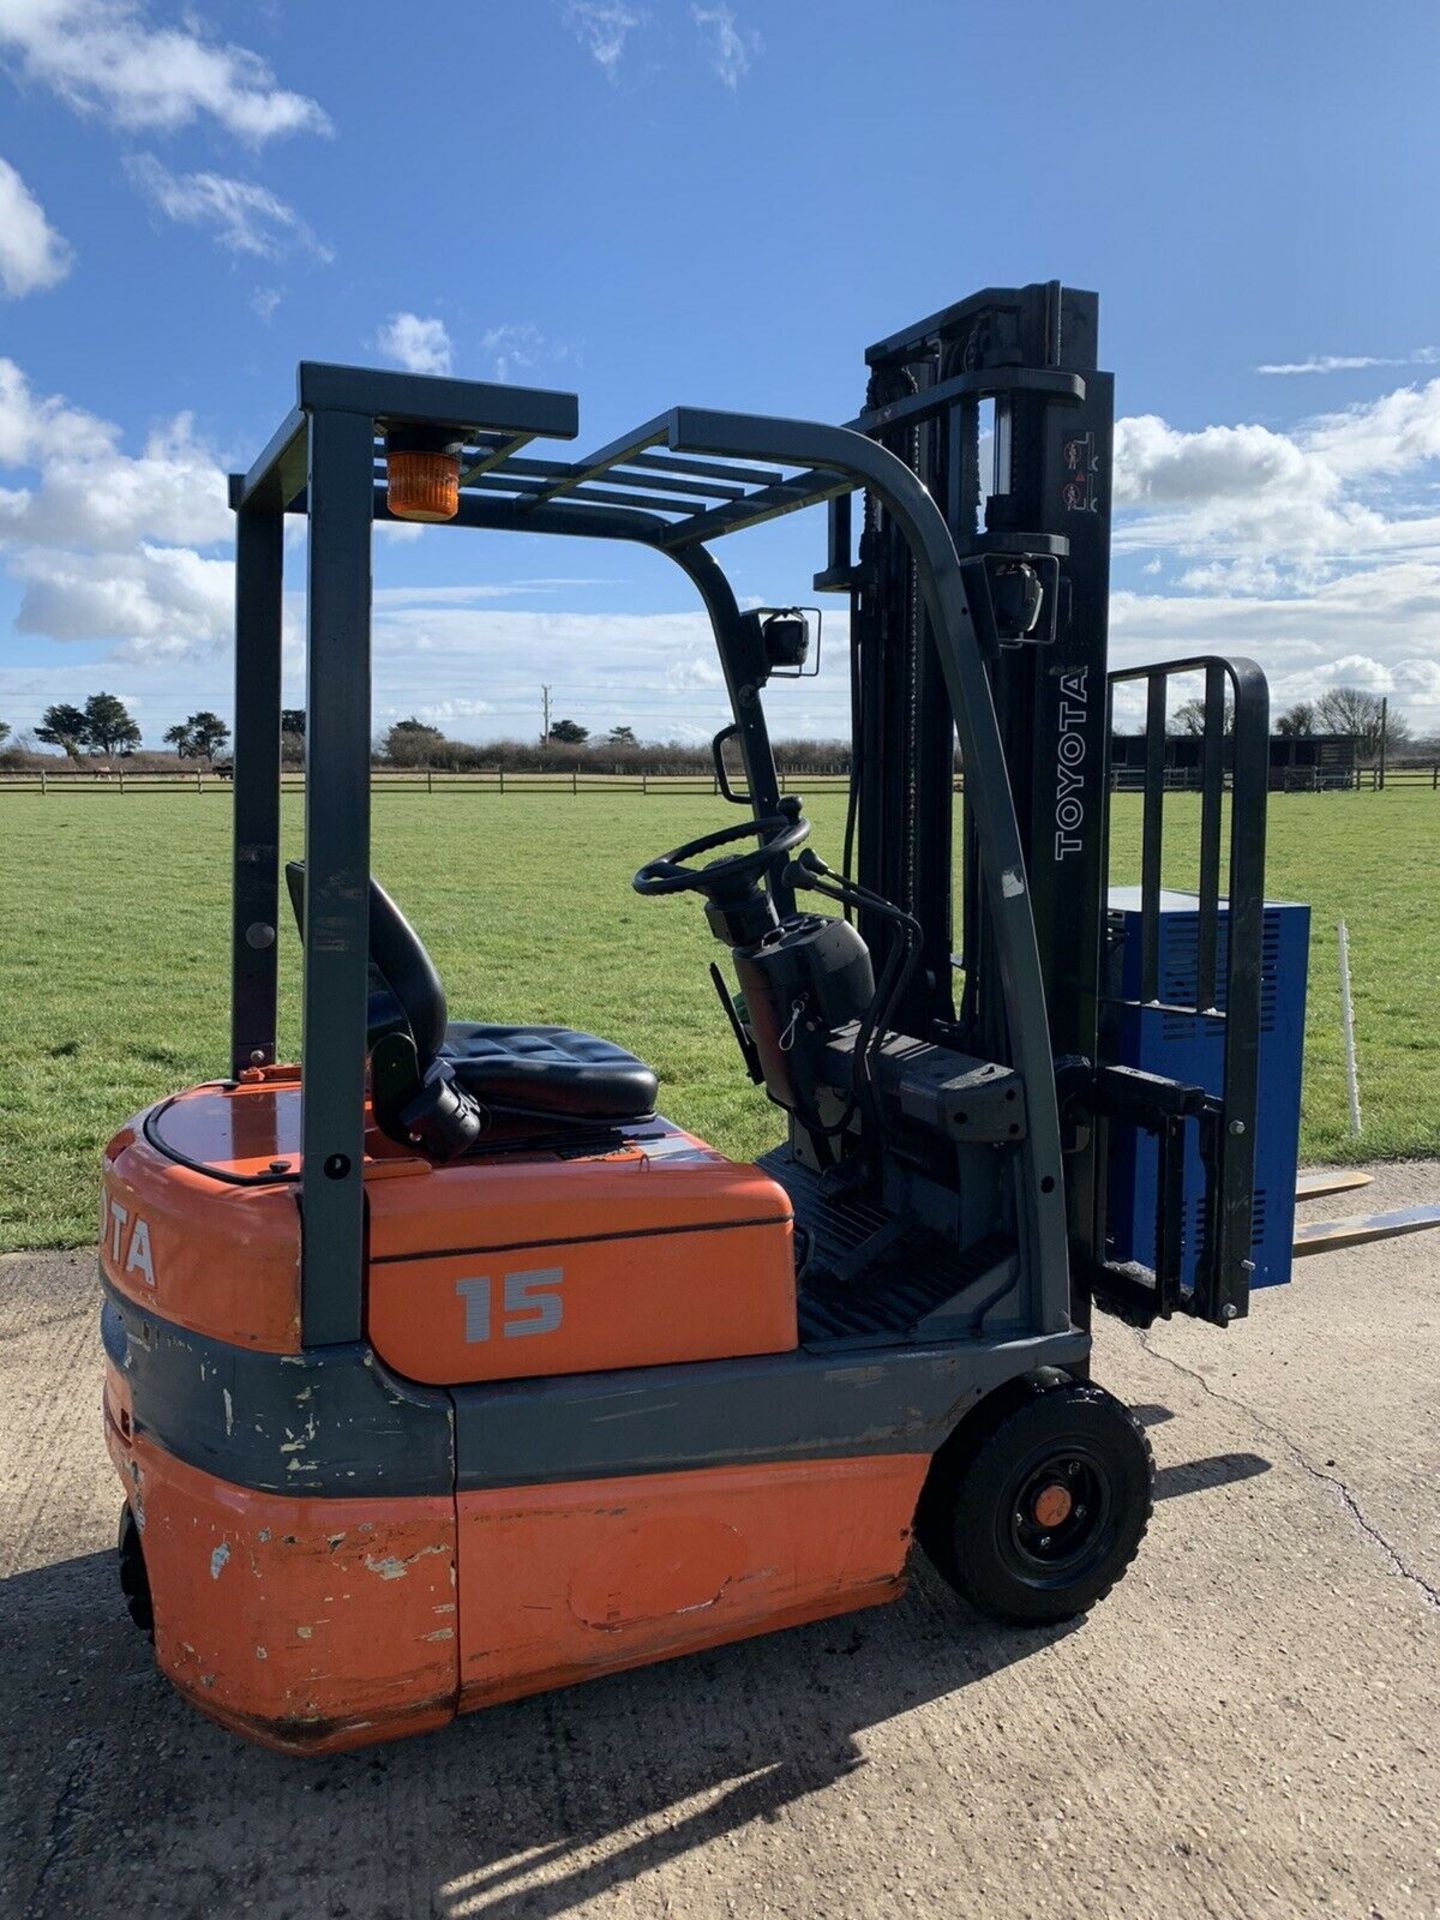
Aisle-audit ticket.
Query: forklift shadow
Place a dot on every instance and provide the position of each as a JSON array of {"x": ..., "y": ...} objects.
[
  {"x": 1200, "y": 1476},
  {"x": 530, "y": 1808},
  {"x": 527, "y": 1809}
]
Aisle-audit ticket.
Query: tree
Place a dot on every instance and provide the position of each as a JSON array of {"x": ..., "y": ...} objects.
[
  {"x": 182, "y": 738},
  {"x": 569, "y": 733},
  {"x": 108, "y": 726},
  {"x": 623, "y": 737},
  {"x": 63, "y": 726},
  {"x": 1189, "y": 717},
  {"x": 1353, "y": 711},
  {"x": 210, "y": 733},
  {"x": 292, "y": 736},
  {"x": 1297, "y": 722},
  {"x": 4, "y": 732},
  {"x": 411, "y": 743}
]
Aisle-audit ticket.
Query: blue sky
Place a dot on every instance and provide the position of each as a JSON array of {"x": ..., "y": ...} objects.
[{"x": 664, "y": 202}]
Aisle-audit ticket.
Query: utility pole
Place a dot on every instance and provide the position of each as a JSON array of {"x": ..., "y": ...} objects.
[{"x": 545, "y": 704}]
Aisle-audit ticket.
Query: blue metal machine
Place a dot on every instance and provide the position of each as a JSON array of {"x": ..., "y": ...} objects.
[{"x": 1170, "y": 1039}]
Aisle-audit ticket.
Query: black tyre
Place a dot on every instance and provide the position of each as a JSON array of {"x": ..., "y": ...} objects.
[
  {"x": 134, "y": 1581},
  {"x": 1034, "y": 1515}
]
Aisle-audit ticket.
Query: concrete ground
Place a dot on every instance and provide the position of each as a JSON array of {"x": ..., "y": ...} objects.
[{"x": 1248, "y": 1727}]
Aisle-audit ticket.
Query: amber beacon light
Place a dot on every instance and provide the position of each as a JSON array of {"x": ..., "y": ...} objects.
[{"x": 422, "y": 473}]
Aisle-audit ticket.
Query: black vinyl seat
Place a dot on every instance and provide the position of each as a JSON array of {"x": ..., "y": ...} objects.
[
  {"x": 549, "y": 1070},
  {"x": 535, "y": 1072}
]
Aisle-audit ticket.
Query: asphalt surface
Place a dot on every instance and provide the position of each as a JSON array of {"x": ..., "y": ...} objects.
[{"x": 1249, "y": 1726}]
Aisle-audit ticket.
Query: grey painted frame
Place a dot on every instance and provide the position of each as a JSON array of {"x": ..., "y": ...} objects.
[{"x": 335, "y": 423}]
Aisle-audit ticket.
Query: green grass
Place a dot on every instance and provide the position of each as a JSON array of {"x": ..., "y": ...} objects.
[{"x": 114, "y": 963}]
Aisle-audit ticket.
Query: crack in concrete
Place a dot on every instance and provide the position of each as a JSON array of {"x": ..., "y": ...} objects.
[
  {"x": 1398, "y": 1565},
  {"x": 63, "y": 1816}
]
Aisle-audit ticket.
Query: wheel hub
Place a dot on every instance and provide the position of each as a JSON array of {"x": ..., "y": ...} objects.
[
  {"x": 1058, "y": 1514},
  {"x": 1053, "y": 1505}
]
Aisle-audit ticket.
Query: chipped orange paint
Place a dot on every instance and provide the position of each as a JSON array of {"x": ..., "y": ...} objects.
[
  {"x": 308, "y": 1625},
  {"x": 564, "y": 1583}
]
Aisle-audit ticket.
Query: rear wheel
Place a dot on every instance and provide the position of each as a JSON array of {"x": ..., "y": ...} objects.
[
  {"x": 1039, "y": 1515},
  {"x": 134, "y": 1581}
]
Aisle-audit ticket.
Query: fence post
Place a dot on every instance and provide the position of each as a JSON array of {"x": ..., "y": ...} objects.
[
  {"x": 644, "y": 781},
  {"x": 43, "y": 787},
  {"x": 502, "y": 780},
  {"x": 122, "y": 779},
  {"x": 574, "y": 780},
  {"x": 429, "y": 780}
]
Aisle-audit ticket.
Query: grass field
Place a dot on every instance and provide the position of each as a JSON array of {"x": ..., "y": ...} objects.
[{"x": 114, "y": 962}]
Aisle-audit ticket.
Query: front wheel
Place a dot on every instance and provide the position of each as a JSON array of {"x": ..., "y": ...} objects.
[{"x": 1038, "y": 1518}]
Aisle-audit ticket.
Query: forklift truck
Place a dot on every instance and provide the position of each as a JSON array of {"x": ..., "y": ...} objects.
[{"x": 441, "y": 1367}]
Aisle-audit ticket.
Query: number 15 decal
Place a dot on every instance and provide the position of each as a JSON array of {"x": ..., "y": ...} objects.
[{"x": 532, "y": 1304}]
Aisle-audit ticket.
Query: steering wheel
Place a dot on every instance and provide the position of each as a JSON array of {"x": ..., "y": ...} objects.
[{"x": 669, "y": 874}]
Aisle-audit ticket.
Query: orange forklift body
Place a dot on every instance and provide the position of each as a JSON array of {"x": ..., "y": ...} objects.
[{"x": 317, "y": 1623}]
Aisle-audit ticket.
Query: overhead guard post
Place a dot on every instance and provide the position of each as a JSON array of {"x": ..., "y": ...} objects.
[
  {"x": 259, "y": 556},
  {"x": 337, "y": 877}
]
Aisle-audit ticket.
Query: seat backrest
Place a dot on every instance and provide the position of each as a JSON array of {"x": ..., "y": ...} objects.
[{"x": 405, "y": 989}]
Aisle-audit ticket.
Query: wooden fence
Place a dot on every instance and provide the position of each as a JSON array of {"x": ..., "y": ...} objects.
[
  {"x": 576, "y": 781},
  {"x": 402, "y": 780}
]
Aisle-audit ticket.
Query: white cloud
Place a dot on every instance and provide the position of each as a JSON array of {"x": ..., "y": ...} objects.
[
  {"x": 90, "y": 494},
  {"x": 32, "y": 254},
  {"x": 694, "y": 674},
  {"x": 415, "y": 597},
  {"x": 32, "y": 430},
  {"x": 1386, "y": 436},
  {"x": 1373, "y": 627},
  {"x": 520, "y": 347},
  {"x": 264, "y": 301},
  {"x": 729, "y": 47},
  {"x": 240, "y": 214},
  {"x": 447, "y": 714},
  {"x": 513, "y": 349},
  {"x": 1316, "y": 551},
  {"x": 1157, "y": 464},
  {"x": 602, "y": 28},
  {"x": 1352, "y": 362},
  {"x": 418, "y": 345},
  {"x": 1304, "y": 501},
  {"x": 153, "y": 602},
  {"x": 103, "y": 57},
  {"x": 108, "y": 546}
]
